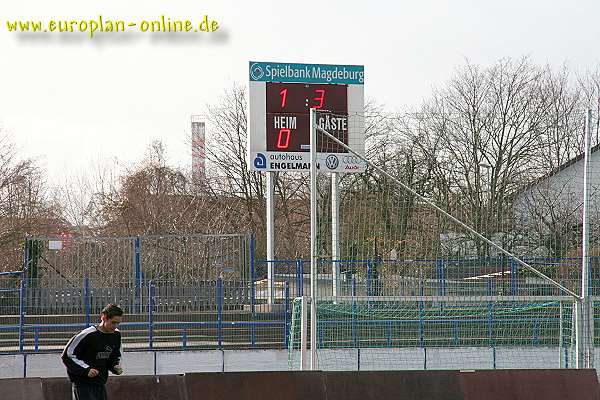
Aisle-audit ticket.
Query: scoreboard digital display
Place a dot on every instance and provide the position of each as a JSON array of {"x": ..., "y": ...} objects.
[
  {"x": 288, "y": 106},
  {"x": 281, "y": 97}
]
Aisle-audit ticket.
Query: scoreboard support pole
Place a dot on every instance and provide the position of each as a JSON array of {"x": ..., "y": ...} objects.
[
  {"x": 335, "y": 234},
  {"x": 313, "y": 241},
  {"x": 283, "y": 98},
  {"x": 270, "y": 235}
]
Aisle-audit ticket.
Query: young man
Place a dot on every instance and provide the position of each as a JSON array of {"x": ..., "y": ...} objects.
[{"x": 93, "y": 352}]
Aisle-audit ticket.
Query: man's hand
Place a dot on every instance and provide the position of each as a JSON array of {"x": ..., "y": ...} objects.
[
  {"x": 118, "y": 369},
  {"x": 93, "y": 372}
]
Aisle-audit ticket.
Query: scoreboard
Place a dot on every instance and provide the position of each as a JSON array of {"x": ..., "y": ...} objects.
[
  {"x": 288, "y": 106},
  {"x": 281, "y": 97}
]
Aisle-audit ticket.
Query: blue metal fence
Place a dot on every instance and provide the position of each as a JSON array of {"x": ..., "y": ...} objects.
[
  {"x": 222, "y": 322},
  {"x": 223, "y": 313},
  {"x": 439, "y": 277}
]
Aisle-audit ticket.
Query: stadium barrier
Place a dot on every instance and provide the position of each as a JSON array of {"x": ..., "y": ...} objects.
[{"x": 318, "y": 385}]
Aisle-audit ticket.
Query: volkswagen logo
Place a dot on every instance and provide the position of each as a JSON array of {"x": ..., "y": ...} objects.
[
  {"x": 332, "y": 161},
  {"x": 256, "y": 71}
]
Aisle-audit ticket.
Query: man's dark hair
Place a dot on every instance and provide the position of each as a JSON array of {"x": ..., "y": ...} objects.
[{"x": 112, "y": 310}]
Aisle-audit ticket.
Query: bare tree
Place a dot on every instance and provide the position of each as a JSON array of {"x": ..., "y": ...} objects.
[
  {"x": 156, "y": 199},
  {"x": 376, "y": 212},
  {"x": 24, "y": 207},
  {"x": 489, "y": 132},
  {"x": 230, "y": 180},
  {"x": 226, "y": 159},
  {"x": 74, "y": 198}
]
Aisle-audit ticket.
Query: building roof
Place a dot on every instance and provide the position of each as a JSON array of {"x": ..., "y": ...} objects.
[{"x": 561, "y": 167}]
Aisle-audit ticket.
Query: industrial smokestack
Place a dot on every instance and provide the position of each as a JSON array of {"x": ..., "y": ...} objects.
[{"x": 198, "y": 150}]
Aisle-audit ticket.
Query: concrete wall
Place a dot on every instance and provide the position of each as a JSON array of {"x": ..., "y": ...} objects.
[
  {"x": 176, "y": 362},
  {"x": 149, "y": 363}
]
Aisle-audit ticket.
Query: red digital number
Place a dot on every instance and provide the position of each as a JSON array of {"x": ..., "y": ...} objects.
[
  {"x": 320, "y": 98},
  {"x": 283, "y": 140},
  {"x": 283, "y": 94}
]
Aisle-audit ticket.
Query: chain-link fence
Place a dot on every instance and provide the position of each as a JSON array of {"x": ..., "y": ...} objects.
[
  {"x": 227, "y": 307},
  {"x": 400, "y": 270}
]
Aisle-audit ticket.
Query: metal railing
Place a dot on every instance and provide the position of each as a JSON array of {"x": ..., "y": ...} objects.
[{"x": 221, "y": 313}]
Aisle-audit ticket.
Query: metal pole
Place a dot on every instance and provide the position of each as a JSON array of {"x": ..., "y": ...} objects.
[
  {"x": 299, "y": 278},
  {"x": 369, "y": 276},
  {"x": 439, "y": 264},
  {"x": 335, "y": 233},
  {"x": 585, "y": 350},
  {"x": 286, "y": 316},
  {"x": 36, "y": 338},
  {"x": 514, "y": 273},
  {"x": 573, "y": 341},
  {"x": 590, "y": 330},
  {"x": 252, "y": 277},
  {"x": 150, "y": 314},
  {"x": 561, "y": 360},
  {"x": 313, "y": 240},
  {"x": 252, "y": 290},
  {"x": 303, "y": 332},
  {"x": 270, "y": 234},
  {"x": 86, "y": 299},
  {"x": 219, "y": 295},
  {"x": 22, "y": 314},
  {"x": 491, "y": 324},
  {"x": 579, "y": 338},
  {"x": 23, "y": 295},
  {"x": 421, "y": 317},
  {"x": 138, "y": 275}
]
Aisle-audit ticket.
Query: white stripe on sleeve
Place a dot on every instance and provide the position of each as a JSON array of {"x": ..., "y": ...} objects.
[{"x": 76, "y": 340}]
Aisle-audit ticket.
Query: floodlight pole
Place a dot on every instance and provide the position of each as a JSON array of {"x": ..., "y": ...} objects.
[
  {"x": 335, "y": 234},
  {"x": 270, "y": 234},
  {"x": 313, "y": 240},
  {"x": 585, "y": 348}
]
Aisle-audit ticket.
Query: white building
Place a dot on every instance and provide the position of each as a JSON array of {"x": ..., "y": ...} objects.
[{"x": 548, "y": 212}]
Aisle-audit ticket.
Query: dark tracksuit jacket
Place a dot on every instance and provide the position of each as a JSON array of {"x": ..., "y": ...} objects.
[{"x": 92, "y": 348}]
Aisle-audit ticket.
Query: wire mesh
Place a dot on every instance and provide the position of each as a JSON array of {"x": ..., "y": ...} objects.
[
  {"x": 400, "y": 333},
  {"x": 10, "y": 295},
  {"x": 167, "y": 287},
  {"x": 446, "y": 270}
]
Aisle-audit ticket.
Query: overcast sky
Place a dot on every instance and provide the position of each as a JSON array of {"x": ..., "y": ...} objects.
[{"x": 67, "y": 100}]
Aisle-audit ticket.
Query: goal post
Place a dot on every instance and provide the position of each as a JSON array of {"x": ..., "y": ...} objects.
[
  {"x": 413, "y": 283},
  {"x": 420, "y": 332}
]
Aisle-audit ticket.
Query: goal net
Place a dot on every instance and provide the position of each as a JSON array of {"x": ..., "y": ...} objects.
[
  {"x": 361, "y": 333},
  {"x": 415, "y": 272}
]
